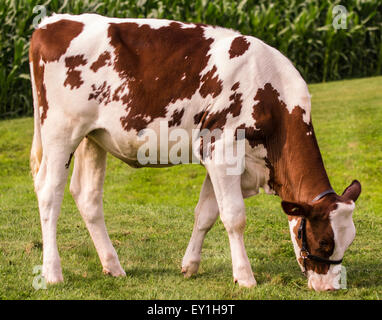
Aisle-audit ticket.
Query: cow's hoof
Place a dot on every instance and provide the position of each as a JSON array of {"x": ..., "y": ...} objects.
[
  {"x": 246, "y": 283},
  {"x": 53, "y": 278},
  {"x": 114, "y": 273},
  {"x": 190, "y": 269}
]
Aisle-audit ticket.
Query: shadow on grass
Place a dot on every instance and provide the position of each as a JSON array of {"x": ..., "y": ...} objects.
[
  {"x": 365, "y": 274},
  {"x": 278, "y": 272},
  {"x": 264, "y": 273},
  {"x": 144, "y": 271},
  {"x": 360, "y": 274}
]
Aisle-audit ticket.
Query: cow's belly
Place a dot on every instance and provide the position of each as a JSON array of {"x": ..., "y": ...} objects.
[
  {"x": 126, "y": 147},
  {"x": 124, "y": 150},
  {"x": 134, "y": 149}
]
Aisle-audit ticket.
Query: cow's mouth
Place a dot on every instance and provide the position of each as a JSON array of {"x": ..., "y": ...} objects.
[{"x": 327, "y": 282}]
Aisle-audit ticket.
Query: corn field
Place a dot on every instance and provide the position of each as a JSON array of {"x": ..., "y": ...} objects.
[{"x": 301, "y": 29}]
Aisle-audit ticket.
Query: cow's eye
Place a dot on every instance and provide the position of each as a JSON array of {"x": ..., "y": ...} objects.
[{"x": 323, "y": 243}]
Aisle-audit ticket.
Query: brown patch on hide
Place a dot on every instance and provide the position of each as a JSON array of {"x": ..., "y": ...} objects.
[
  {"x": 211, "y": 84},
  {"x": 176, "y": 118},
  {"x": 238, "y": 47},
  {"x": 44, "y": 48},
  {"x": 102, "y": 61},
  {"x": 102, "y": 93},
  {"x": 159, "y": 66},
  {"x": 73, "y": 76}
]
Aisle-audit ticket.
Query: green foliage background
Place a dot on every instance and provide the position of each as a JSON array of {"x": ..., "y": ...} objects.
[{"x": 301, "y": 29}]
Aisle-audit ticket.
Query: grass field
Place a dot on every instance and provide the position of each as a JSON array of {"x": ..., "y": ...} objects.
[{"x": 149, "y": 215}]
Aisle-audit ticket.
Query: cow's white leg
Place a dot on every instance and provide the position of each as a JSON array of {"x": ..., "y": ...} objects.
[
  {"x": 206, "y": 213},
  {"x": 86, "y": 187},
  {"x": 50, "y": 183},
  {"x": 232, "y": 213}
]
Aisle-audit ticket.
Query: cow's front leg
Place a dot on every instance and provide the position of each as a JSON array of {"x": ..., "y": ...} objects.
[
  {"x": 206, "y": 213},
  {"x": 232, "y": 213}
]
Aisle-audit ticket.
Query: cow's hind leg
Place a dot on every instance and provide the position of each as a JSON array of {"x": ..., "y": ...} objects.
[
  {"x": 50, "y": 181},
  {"x": 232, "y": 213},
  {"x": 86, "y": 187},
  {"x": 206, "y": 213}
]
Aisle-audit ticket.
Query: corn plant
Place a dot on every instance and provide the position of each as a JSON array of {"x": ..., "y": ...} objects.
[{"x": 301, "y": 29}]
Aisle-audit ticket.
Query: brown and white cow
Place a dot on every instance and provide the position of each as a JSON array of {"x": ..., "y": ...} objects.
[{"x": 99, "y": 82}]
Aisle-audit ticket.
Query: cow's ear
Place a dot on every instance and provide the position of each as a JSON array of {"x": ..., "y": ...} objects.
[
  {"x": 353, "y": 191},
  {"x": 296, "y": 209}
]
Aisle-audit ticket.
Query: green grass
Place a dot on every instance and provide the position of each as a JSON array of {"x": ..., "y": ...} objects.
[{"x": 149, "y": 215}]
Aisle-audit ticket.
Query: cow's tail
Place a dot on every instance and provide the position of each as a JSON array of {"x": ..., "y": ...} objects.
[{"x": 36, "y": 151}]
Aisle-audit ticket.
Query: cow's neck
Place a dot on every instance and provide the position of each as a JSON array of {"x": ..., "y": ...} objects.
[{"x": 297, "y": 169}]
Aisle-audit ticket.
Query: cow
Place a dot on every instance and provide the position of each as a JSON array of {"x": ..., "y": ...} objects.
[{"x": 100, "y": 84}]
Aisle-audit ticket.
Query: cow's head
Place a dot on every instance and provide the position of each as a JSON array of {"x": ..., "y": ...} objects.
[{"x": 329, "y": 231}]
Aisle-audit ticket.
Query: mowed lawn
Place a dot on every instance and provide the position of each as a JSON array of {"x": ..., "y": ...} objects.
[{"x": 149, "y": 215}]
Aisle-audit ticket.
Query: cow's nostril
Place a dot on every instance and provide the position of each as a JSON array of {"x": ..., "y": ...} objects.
[{"x": 330, "y": 289}]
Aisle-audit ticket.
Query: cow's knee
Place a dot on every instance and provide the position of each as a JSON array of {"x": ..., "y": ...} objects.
[
  {"x": 90, "y": 206},
  {"x": 206, "y": 220},
  {"x": 233, "y": 218}
]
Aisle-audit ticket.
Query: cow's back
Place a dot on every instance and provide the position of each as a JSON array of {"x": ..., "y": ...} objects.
[{"x": 125, "y": 75}]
